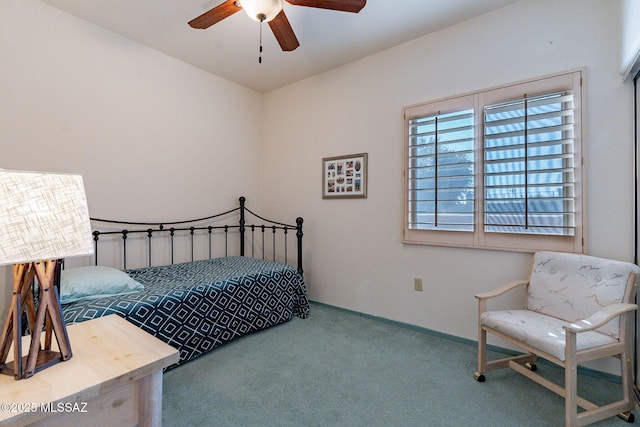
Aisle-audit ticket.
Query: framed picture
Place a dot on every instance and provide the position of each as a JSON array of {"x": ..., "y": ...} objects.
[{"x": 344, "y": 177}]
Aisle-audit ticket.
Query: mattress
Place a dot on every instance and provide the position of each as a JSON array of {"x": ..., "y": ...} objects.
[{"x": 197, "y": 306}]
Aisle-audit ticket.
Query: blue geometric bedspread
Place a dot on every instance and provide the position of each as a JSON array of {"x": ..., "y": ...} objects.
[{"x": 197, "y": 306}]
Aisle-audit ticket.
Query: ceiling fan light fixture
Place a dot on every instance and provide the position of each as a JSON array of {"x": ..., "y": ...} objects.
[{"x": 262, "y": 10}]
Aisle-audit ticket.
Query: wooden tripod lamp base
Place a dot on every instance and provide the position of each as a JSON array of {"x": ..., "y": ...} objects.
[{"x": 47, "y": 318}]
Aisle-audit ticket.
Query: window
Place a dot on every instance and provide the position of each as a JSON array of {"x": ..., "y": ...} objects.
[
  {"x": 498, "y": 169},
  {"x": 441, "y": 171}
]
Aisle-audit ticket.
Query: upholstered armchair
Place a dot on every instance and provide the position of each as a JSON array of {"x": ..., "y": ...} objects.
[{"x": 577, "y": 308}]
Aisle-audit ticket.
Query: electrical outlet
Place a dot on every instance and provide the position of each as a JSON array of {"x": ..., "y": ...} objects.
[{"x": 417, "y": 284}]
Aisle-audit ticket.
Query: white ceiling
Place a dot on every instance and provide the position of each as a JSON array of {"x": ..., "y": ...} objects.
[{"x": 230, "y": 48}]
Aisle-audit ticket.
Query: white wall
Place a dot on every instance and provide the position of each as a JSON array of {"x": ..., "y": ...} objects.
[
  {"x": 354, "y": 255},
  {"x": 152, "y": 136}
]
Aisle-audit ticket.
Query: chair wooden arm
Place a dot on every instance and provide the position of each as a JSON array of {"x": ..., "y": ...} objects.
[
  {"x": 600, "y": 318},
  {"x": 502, "y": 289}
]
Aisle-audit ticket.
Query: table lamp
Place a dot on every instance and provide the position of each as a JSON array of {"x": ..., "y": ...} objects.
[{"x": 43, "y": 218}]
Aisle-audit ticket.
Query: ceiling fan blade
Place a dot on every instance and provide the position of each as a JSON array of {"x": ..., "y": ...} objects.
[
  {"x": 284, "y": 33},
  {"x": 215, "y": 15},
  {"x": 354, "y": 6}
]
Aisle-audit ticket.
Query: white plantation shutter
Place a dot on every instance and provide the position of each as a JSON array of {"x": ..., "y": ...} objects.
[
  {"x": 441, "y": 172},
  {"x": 499, "y": 168},
  {"x": 529, "y": 166}
]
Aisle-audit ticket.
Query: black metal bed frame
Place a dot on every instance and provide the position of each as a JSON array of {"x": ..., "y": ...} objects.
[{"x": 242, "y": 226}]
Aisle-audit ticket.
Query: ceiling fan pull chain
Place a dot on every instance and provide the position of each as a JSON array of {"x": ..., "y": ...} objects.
[{"x": 260, "y": 57}]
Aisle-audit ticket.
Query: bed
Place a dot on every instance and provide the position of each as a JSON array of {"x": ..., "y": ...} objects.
[{"x": 198, "y": 304}]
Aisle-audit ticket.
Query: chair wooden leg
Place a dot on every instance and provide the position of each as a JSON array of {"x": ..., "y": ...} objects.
[
  {"x": 571, "y": 382},
  {"x": 626, "y": 370},
  {"x": 482, "y": 355},
  {"x": 482, "y": 344}
]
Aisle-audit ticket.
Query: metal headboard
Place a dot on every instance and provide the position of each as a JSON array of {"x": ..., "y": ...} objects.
[{"x": 174, "y": 228}]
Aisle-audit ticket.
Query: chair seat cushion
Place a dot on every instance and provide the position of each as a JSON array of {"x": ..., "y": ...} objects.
[{"x": 540, "y": 331}]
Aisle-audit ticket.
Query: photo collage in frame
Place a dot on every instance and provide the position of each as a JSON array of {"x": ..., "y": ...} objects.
[{"x": 344, "y": 176}]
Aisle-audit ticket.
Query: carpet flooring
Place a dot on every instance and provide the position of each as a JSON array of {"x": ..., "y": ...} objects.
[{"x": 338, "y": 368}]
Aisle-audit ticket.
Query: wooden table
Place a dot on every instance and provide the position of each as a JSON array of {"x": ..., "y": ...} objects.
[{"x": 113, "y": 379}]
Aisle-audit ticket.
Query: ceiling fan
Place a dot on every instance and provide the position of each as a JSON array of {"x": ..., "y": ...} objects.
[{"x": 271, "y": 11}]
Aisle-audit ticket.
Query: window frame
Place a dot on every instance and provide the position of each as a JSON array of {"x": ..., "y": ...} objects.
[{"x": 570, "y": 80}]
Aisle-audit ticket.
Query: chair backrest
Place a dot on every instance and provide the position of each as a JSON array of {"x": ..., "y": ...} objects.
[{"x": 572, "y": 287}]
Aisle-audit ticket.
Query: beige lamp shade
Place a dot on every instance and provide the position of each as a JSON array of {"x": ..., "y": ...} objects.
[{"x": 43, "y": 216}]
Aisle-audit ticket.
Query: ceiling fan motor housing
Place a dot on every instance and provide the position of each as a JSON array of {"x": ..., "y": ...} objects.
[{"x": 262, "y": 10}]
